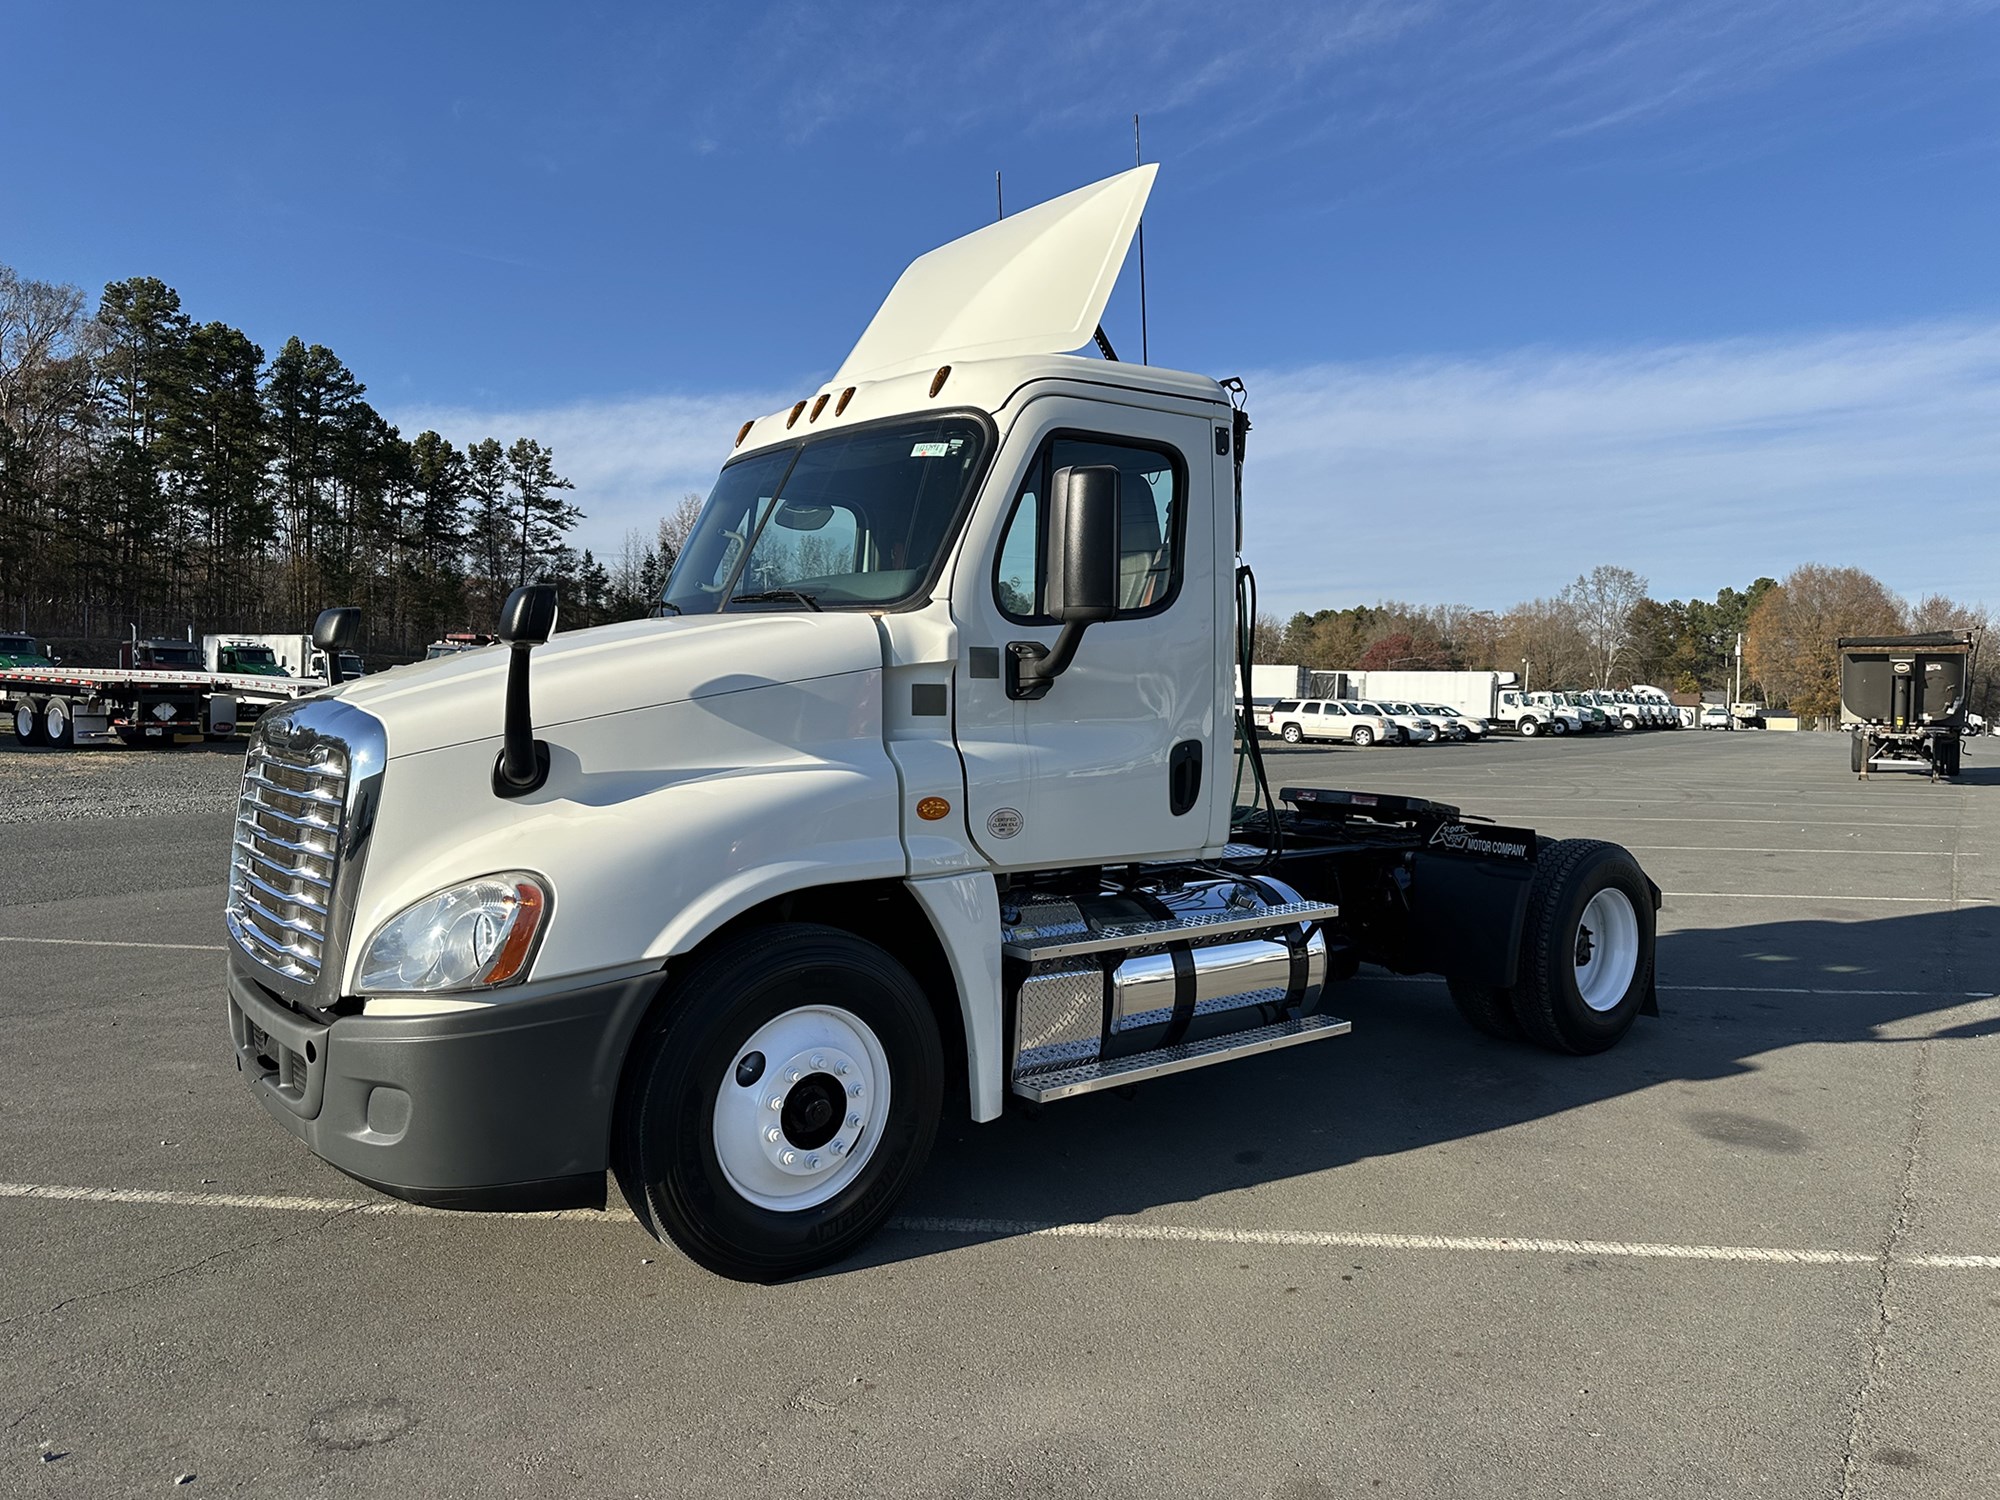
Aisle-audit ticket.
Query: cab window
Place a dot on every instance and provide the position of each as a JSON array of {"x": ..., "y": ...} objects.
[{"x": 1152, "y": 492}]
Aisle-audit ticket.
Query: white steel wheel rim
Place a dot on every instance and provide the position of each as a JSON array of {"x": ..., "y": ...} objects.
[
  {"x": 55, "y": 718},
  {"x": 24, "y": 720},
  {"x": 1606, "y": 949},
  {"x": 774, "y": 1148}
]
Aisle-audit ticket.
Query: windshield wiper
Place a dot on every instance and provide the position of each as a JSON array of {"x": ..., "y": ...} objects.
[{"x": 777, "y": 596}]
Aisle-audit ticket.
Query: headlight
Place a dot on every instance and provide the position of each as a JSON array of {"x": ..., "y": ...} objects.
[{"x": 470, "y": 937}]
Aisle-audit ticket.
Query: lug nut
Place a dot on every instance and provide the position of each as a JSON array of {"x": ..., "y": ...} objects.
[
  {"x": 854, "y": 1091},
  {"x": 841, "y": 1068},
  {"x": 789, "y": 1157},
  {"x": 818, "y": 1060},
  {"x": 813, "y": 1162},
  {"x": 773, "y": 1135},
  {"x": 777, "y": 1102},
  {"x": 839, "y": 1148},
  {"x": 795, "y": 1075},
  {"x": 854, "y": 1122}
]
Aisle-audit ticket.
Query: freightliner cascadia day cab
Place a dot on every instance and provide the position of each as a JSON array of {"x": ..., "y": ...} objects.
[{"x": 916, "y": 794}]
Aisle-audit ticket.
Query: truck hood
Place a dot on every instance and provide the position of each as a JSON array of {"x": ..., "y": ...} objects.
[{"x": 585, "y": 674}]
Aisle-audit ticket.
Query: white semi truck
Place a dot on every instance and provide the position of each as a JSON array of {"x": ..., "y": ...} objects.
[{"x": 916, "y": 794}]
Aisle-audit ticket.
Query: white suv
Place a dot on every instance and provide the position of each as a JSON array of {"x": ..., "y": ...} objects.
[
  {"x": 1294, "y": 720},
  {"x": 1452, "y": 722},
  {"x": 1408, "y": 725}
]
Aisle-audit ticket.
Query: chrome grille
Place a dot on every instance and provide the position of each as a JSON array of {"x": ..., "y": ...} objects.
[{"x": 286, "y": 854}]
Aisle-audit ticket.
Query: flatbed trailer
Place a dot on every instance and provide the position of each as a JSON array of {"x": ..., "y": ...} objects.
[{"x": 63, "y": 706}]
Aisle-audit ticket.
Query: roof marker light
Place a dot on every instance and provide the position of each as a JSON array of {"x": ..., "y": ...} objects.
[
  {"x": 792, "y": 420},
  {"x": 819, "y": 406},
  {"x": 744, "y": 431},
  {"x": 938, "y": 380},
  {"x": 845, "y": 397}
]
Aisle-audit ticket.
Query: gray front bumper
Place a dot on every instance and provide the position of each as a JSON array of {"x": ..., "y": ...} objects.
[{"x": 505, "y": 1107}]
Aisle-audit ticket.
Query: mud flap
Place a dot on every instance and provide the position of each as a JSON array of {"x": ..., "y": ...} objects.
[
  {"x": 1467, "y": 916},
  {"x": 1650, "y": 1006}
]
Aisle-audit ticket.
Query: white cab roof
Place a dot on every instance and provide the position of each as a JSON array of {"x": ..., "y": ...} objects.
[{"x": 1033, "y": 284}]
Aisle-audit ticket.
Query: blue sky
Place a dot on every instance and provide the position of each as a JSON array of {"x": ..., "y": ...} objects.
[{"x": 1703, "y": 288}]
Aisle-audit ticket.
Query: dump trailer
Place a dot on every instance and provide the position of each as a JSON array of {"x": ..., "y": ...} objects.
[
  {"x": 918, "y": 791},
  {"x": 1903, "y": 700}
]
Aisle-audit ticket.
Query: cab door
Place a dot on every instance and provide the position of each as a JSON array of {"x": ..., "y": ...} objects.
[{"x": 1115, "y": 763}]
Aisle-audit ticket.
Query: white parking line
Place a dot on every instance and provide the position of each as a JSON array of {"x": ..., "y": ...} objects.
[
  {"x": 1157, "y": 1234},
  {"x": 1815, "y": 853},
  {"x": 1940, "y": 901},
  {"x": 1729, "y": 989},
  {"x": 112, "y": 943}
]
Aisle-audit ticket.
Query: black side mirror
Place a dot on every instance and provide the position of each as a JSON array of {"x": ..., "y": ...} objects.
[
  {"x": 527, "y": 619},
  {"x": 335, "y": 631},
  {"x": 1082, "y": 564}
]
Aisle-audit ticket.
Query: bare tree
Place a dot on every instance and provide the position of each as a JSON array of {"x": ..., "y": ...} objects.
[
  {"x": 676, "y": 526},
  {"x": 1602, "y": 602}
]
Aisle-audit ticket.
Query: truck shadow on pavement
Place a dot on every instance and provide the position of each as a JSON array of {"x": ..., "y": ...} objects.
[{"x": 1413, "y": 1075}]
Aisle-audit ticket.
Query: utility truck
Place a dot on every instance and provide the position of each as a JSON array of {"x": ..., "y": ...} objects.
[
  {"x": 1903, "y": 700},
  {"x": 294, "y": 654},
  {"x": 1474, "y": 694},
  {"x": 916, "y": 794}
]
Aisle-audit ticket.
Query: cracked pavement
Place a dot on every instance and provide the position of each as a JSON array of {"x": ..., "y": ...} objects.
[{"x": 1825, "y": 1076}]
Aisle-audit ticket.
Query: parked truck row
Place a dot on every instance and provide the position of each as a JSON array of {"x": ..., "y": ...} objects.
[{"x": 1415, "y": 707}]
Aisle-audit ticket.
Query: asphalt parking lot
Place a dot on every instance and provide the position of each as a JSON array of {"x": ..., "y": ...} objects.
[{"x": 1753, "y": 1251}]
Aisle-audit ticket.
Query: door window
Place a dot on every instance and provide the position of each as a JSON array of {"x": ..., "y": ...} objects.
[
  {"x": 1310, "y": 708},
  {"x": 1152, "y": 491}
]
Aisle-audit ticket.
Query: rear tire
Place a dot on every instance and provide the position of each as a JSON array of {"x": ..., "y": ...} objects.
[
  {"x": 1486, "y": 1009},
  {"x": 1947, "y": 757},
  {"x": 691, "y": 1147},
  {"x": 1363, "y": 736},
  {"x": 58, "y": 729},
  {"x": 1857, "y": 753},
  {"x": 1293, "y": 734},
  {"x": 27, "y": 721},
  {"x": 1587, "y": 951}
]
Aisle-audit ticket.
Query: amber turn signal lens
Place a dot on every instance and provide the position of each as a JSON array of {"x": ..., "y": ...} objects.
[
  {"x": 744, "y": 431},
  {"x": 933, "y": 808},
  {"x": 938, "y": 380}
]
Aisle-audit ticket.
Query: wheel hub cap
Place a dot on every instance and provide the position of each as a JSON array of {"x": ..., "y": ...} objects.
[
  {"x": 792, "y": 1133},
  {"x": 1606, "y": 952}
]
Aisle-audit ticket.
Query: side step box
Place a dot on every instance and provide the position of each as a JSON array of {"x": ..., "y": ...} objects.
[
  {"x": 1109, "y": 989},
  {"x": 1088, "y": 1078}
]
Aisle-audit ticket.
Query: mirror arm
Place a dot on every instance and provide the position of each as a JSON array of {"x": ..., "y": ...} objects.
[
  {"x": 1032, "y": 667},
  {"x": 524, "y": 760}
]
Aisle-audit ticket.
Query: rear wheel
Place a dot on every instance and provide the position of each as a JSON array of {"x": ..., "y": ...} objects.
[
  {"x": 1486, "y": 1009},
  {"x": 1293, "y": 734},
  {"x": 1363, "y": 736},
  {"x": 1947, "y": 757},
  {"x": 778, "y": 1109},
  {"x": 27, "y": 722},
  {"x": 1587, "y": 953},
  {"x": 57, "y": 727},
  {"x": 1857, "y": 753}
]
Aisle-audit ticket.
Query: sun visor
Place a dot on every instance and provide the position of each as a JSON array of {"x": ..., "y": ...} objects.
[{"x": 1035, "y": 283}]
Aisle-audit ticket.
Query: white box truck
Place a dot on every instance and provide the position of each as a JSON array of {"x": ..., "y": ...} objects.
[{"x": 924, "y": 771}]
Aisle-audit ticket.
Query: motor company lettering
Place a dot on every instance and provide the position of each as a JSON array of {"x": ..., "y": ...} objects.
[{"x": 1492, "y": 843}]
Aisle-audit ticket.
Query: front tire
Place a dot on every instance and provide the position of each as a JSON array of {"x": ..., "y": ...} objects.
[
  {"x": 1363, "y": 736},
  {"x": 1529, "y": 729},
  {"x": 778, "y": 1109},
  {"x": 1557, "y": 726},
  {"x": 1587, "y": 952}
]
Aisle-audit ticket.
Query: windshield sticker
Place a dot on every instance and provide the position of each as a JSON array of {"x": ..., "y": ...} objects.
[{"x": 930, "y": 450}]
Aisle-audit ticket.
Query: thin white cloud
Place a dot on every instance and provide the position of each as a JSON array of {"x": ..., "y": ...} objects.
[
  {"x": 1488, "y": 480},
  {"x": 1485, "y": 480}
]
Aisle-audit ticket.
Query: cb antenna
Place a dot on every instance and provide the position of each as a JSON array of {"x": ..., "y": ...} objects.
[
  {"x": 1139, "y": 160},
  {"x": 999, "y": 202}
]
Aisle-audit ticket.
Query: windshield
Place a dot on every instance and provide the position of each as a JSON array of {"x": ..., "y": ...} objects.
[
  {"x": 19, "y": 645},
  {"x": 852, "y": 520},
  {"x": 166, "y": 654},
  {"x": 254, "y": 656}
]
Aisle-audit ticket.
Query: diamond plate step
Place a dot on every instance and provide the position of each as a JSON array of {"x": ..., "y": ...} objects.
[
  {"x": 1149, "y": 934},
  {"x": 1088, "y": 1078}
]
